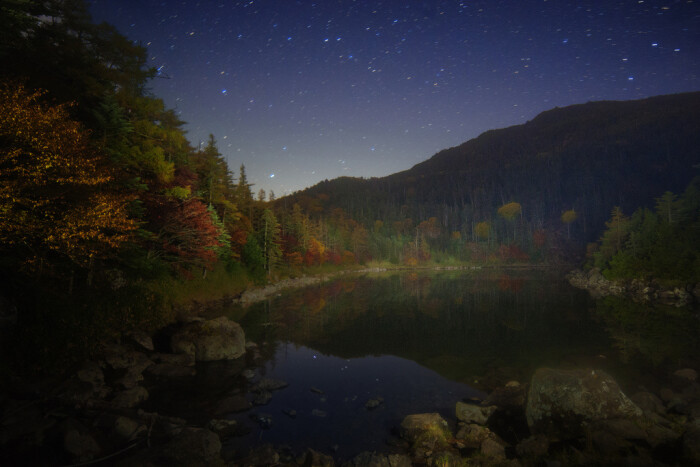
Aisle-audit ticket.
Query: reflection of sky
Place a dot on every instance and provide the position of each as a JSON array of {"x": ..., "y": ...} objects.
[
  {"x": 304, "y": 90},
  {"x": 347, "y": 385}
]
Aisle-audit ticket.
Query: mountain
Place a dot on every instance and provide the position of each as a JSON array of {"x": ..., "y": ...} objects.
[{"x": 587, "y": 157}]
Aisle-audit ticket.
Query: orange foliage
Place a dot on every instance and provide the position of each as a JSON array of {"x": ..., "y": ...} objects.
[{"x": 54, "y": 197}]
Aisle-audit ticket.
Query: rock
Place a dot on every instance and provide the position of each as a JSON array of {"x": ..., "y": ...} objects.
[
  {"x": 262, "y": 398},
  {"x": 224, "y": 428},
  {"x": 373, "y": 459},
  {"x": 130, "y": 398},
  {"x": 180, "y": 359},
  {"x": 621, "y": 428},
  {"x": 691, "y": 443},
  {"x": 142, "y": 339},
  {"x": 470, "y": 413},
  {"x": 263, "y": 455},
  {"x": 169, "y": 370},
  {"x": 560, "y": 402},
  {"x": 81, "y": 446},
  {"x": 493, "y": 449},
  {"x": 444, "y": 458},
  {"x": 127, "y": 428},
  {"x": 248, "y": 373},
  {"x": 687, "y": 374},
  {"x": 269, "y": 384},
  {"x": 512, "y": 395},
  {"x": 427, "y": 432},
  {"x": 649, "y": 403},
  {"x": 216, "y": 339},
  {"x": 657, "y": 435},
  {"x": 120, "y": 357},
  {"x": 472, "y": 435},
  {"x": 374, "y": 403},
  {"x": 313, "y": 458},
  {"x": 91, "y": 373},
  {"x": 192, "y": 446},
  {"x": 533, "y": 448},
  {"x": 232, "y": 404}
]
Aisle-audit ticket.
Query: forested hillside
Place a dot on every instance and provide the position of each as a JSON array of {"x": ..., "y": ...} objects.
[{"x": 549, "y": 183}]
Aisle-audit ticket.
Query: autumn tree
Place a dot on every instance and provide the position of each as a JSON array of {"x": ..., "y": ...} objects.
[
  {"x": 613, "y": 238},
  {"x": 509, "y": 212},
  {"x": 568, "y": 217},
  {"x": 56, "y": 203},
  {"x": 482, "y": 230}
]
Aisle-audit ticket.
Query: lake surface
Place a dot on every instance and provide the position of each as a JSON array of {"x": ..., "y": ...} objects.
[{"x": 421, "y": 342}]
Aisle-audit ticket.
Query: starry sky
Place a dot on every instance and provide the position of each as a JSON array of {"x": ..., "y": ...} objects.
[{"x": 305, "y": 90}]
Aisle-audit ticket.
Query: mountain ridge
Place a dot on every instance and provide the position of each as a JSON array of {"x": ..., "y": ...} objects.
[{"x": 588, "y": 157}]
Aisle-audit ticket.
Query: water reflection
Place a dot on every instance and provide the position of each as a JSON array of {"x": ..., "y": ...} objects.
[
  {"x": 421, "y": 342},
  {"x": 463, "y": 326}
]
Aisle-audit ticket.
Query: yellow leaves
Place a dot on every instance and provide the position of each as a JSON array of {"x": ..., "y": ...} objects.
[
  {"x": 569, "y": 216},
  {"x": 482, "y": 230},
  {"x": 510, "y": 210},
  {"x": 53, "y": 195}
]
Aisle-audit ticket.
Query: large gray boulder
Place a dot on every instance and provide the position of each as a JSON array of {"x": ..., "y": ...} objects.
[
  {"x": 561, "y": 403},
  {"x": 216, "y": 339}
]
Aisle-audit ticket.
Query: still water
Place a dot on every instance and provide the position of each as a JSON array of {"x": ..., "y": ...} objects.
[{"x": 420, "y": 342}]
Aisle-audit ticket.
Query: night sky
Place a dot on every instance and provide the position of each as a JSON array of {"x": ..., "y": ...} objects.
[{"x": 302, "y": 91}]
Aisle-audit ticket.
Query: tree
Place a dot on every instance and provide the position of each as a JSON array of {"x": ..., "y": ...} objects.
[
  {"x": 186, "y": 234},
  {"x": 613, "y": 238},
  {"x": 269, "y": 240},
  {"x": 567, "y": 218},
  {"x": 56, "y": 203},
  {"x": 667, "y": 206},
  {"x": 482, "y": 230},
  {"x": 215, "y": 181},
  {"x": 509, "y": 211}
]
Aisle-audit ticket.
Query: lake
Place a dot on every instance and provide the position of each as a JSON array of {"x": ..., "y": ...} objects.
[{"x": 361, "y": 352}]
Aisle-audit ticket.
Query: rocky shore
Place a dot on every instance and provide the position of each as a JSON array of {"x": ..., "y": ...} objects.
[
  {"x": 636, "y": 289},
  {"x": 559, "y": 417}
]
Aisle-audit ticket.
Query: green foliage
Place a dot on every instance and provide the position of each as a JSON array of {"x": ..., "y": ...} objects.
[
  {"x": 660, "y": 245},
  {"x": 253, "y": 259}
]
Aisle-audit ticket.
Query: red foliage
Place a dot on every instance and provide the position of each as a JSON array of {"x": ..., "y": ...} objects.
[
  {"x": 184, "y": 230},
  {"x": 539, "y": 237},
  {"x": 509, "y": 284},
  {"x": 512, "y": 253}
]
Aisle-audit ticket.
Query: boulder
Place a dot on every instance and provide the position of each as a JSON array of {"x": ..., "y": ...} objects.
[
  {"x": 269, "y": 384},
  {"x": 470, "y": 413},
  {"x": 649, "y": 403},
  {"x": 512, "y": 395},
  {"x": 533, "y": 448},
  {"x": 192, "y": 446},
  {"x": 686, "y": 374},
  {"x": 142, "y": 339},
  {"x": 216, "y": 339},
  {"x": 472, "y": 436},
  {"x": 413, "y": 427},
  {"x": 232, "y": 404},
  {"x": 224, "y": 428},
  {"x": 313, "y": 458},
  {"x": 127, "y": 428},
  {"x": 691, "y": 443},
  {"x": 130, "y": 398},
  {"x": 492, "y": 448},
  {"x": 82, "y": 446},
  {"x": 373, "y": 459},
  {"x": 561, "y": 403}
]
